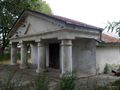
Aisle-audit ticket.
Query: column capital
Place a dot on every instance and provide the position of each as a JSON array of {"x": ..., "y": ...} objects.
[
  {"x": 66, "y": 42},
  {"x": 40, "y": 43}
]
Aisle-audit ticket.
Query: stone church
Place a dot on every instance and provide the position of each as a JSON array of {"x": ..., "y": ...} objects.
[{"x": 56, "y": 42}]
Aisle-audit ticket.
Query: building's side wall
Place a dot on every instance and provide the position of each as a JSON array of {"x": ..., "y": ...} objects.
[
  {"x": 107, "y": 55},
  {"x": 84, "y": 56}
]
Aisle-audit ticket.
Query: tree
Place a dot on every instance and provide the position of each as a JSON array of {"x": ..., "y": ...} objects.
[
  {"x": 11, "y": 9},
  {"x": 113, "y": 26}
]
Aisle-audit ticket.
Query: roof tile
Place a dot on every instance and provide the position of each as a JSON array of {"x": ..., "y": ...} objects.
[{"x": 109, "y": 39}]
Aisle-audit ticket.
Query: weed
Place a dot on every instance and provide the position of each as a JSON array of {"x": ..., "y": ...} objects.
[
  {"x": 42, "y": 82},
  {"x": 118, "y": 69},
  {"x": 106, "y": 69},
  {"x": 67, "y": 82}
]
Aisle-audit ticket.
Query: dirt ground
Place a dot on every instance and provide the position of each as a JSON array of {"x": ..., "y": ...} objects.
[{"x": 26, "y": 75}]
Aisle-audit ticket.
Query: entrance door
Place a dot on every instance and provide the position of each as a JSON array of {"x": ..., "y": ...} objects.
[{"x": 54, "y": 61}]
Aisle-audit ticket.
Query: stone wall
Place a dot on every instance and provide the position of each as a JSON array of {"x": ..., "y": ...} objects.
[{"x": 84, "y": 56}]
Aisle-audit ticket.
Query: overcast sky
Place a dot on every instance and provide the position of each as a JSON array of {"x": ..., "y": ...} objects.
[{"x": 94, "y": 12}]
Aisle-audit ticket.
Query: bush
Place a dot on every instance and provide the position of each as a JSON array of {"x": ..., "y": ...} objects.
[
  {"x": 67, "y": 82},
  {"x": 118, "y": 69},
  {"x": 42, "y": 83},
  {"x": 106, "y": 69}
]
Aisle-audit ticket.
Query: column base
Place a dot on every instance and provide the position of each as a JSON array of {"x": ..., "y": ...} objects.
[
  {"x": 23, "y": 66},
  {"x": 41, "y": 70}
]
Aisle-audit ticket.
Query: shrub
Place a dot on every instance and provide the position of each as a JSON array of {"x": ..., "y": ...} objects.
[
  {"x": 42, "y": 83},
  {"x": 67, "y": 82},
  {"x": 106, "y": 69},
  {"x": 118, "y": 69}
]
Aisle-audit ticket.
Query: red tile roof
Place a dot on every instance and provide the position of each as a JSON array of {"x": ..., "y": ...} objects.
[{"x": 109, "y": 39}]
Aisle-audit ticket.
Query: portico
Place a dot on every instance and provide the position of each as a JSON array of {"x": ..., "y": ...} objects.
[
  {"x": 39, "y": 55},
  {"x": 54, "y": 43}
]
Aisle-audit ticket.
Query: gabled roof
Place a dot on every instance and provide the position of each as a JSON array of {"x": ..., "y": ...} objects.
[{"x": 58, "y": 18}]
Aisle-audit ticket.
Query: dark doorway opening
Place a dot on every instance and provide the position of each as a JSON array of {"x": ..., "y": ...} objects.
[{"x": 54, "y": 57}]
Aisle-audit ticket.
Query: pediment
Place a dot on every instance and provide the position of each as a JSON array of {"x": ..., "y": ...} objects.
[{"x": 34, "y": 25}]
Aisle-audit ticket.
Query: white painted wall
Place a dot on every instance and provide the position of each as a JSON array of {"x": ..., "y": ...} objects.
[
  {"x": 84, "y": 56},
  {"x": 107, "y": 54}
]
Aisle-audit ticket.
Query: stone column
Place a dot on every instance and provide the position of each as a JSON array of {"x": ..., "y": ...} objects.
[
  {"x": 13, "y": 53},
  {"x": 41, "y": 57},
  {"x": 34, "y": 53},
  {"x": 66, "y": 56},
  {"x": 24, "y": 62},
  {"x": 47, "y": 56}
]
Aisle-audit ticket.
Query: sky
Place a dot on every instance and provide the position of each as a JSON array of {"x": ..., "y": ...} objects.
[{"x": 93, "y": 12}]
